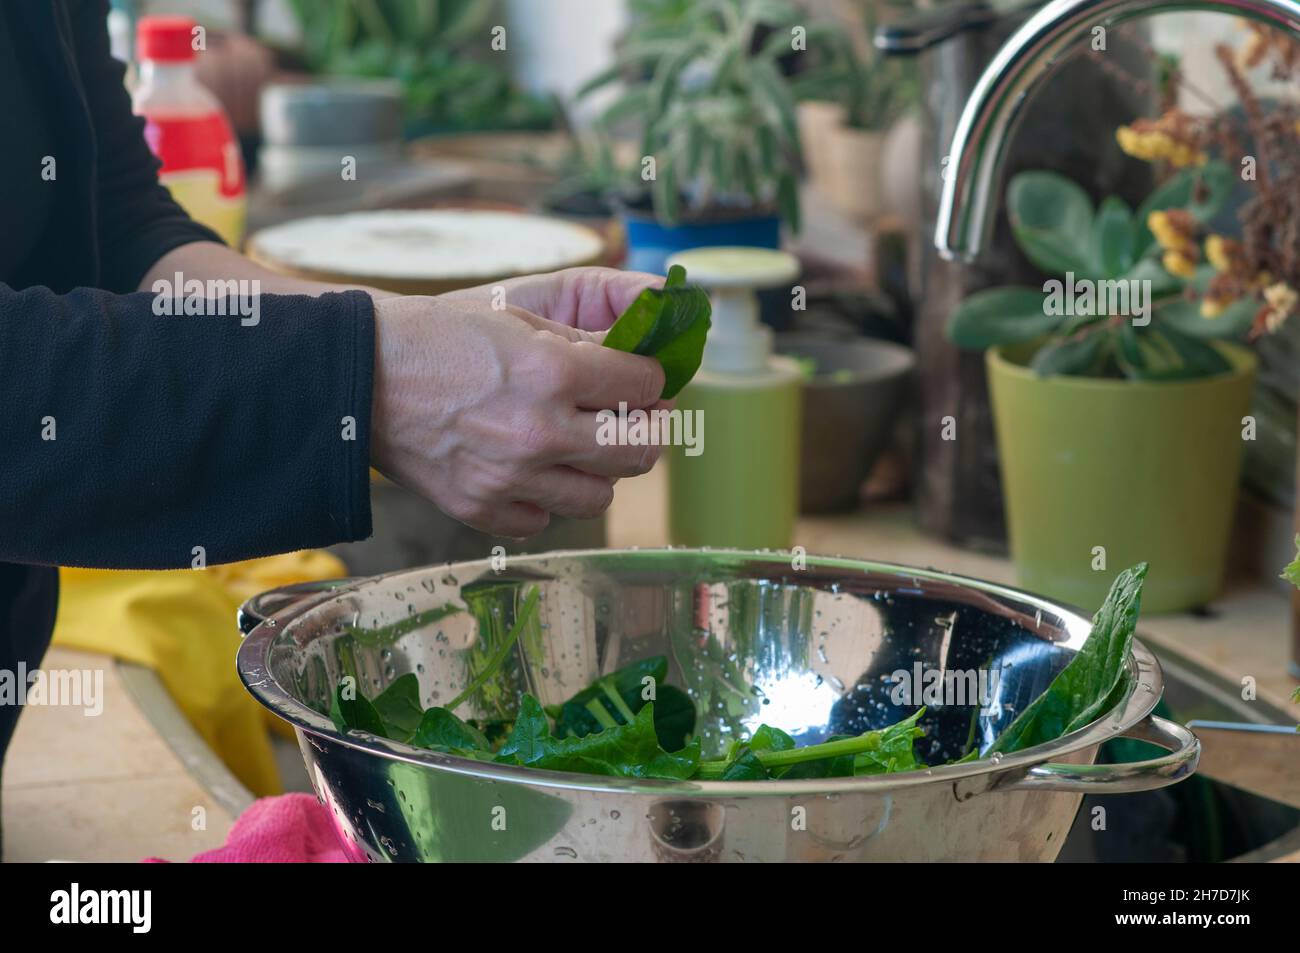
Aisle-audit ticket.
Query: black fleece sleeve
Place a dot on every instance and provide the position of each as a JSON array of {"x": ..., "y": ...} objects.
[
  {"x": 127, "y": 439},
  {"x": 137, "y": 221}
]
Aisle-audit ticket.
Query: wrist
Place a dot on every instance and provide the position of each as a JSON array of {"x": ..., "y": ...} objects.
[{"x": 384, "y": 372}]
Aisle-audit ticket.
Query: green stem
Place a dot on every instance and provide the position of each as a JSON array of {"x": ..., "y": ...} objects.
[
  {"x": 617, "y": 700},
  {"x": 600, "y": 714},
  {"x": 711, "y": 770},
  {"x": 388, "y": 634},
  {"x": 526, "y": 612},
  {"x": 869, "y": 741}
]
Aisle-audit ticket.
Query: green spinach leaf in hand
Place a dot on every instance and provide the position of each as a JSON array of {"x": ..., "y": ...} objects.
[{"x": 669, "y": 324}]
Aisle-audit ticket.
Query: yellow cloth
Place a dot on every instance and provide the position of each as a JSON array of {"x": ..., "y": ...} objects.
[{"x": 181, "y": 623}]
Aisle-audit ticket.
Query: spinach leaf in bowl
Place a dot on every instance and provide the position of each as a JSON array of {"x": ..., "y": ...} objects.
[
  {"x": 620, "y": 695},
  {"x": 1095, "y": 679},
  {"x": 626, "y": 751}
]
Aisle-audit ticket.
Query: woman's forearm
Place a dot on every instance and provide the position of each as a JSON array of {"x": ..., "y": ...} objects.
[
  {"x": 209, "y": 260},
  {"x": 139, "y": 441}
]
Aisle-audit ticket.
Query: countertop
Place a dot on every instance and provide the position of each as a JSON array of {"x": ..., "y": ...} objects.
[
  {"x": 112, "y": 787},
  {"x": 104, "y": 787}
]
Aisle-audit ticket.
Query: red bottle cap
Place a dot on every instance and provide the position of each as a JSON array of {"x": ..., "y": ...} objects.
[{"x": 165, "y": 39}]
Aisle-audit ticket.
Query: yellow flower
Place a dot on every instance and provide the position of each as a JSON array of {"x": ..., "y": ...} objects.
[
  {"x": 1282, "y": 300},
  {"x": 1163, "y": 230},
  {"x": 1152, "y": 145},
  {"x": 1173, "y": 231},
  {"x": 1181, "y": 155},
  {"x": 1141, "y": 145},
  {"x": 1177, "y": 263},
  {"x": 1281, "y": 295},
  {"x": 1213, "y": 307},
  {"x": 1129, "y": 140},
  {"x": 1216, "y": 252}
]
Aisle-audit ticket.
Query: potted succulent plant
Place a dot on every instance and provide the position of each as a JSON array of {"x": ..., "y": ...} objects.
[
  {"x": 1120, "y": 401},
  {"x": 1118, "y": 414},
  {"x": 1118, "y": 418},
  {"x": 1121, "y": 405},
  {"x": 708, "y": 99}
]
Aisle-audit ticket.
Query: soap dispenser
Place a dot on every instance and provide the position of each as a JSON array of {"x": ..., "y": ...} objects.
[{"x": 737, "y": 487}]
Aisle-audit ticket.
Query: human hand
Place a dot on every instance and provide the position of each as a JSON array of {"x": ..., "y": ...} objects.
[
  {"x": 589, "y": 299},
  {"x": 491, "y": 413}
]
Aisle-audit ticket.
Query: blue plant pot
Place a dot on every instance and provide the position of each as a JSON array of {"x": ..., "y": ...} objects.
[{"x": 650, "y": 244}]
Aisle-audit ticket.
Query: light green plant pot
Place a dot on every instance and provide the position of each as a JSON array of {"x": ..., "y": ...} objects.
[{"x": 1148, "y": 471}]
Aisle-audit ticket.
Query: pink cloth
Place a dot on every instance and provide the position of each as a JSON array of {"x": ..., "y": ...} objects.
[{"x": 289, "y": 829}]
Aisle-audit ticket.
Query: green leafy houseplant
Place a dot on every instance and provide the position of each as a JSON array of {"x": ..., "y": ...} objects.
[
  {"x": 707, "y": 97},
  {"x": 878, "y": 92},
  {"x": 875, "y": 91},
  {"x": 424, "y": 45},
  {"x": 1110, "y": 248},
  {"x": 1118, "y": 400}
]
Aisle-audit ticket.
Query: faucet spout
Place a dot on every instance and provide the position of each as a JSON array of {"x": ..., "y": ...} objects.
[{"x": 988, "y": 119}]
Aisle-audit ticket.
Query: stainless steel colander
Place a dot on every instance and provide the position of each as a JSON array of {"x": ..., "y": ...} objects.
[{"x": 816, "y": 646}]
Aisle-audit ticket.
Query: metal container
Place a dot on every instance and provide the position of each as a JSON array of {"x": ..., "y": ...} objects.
[
  {"x": 809, "y": 644},
  {"x": 308, "y": 128},
  {"x": 337, "y": 112}
]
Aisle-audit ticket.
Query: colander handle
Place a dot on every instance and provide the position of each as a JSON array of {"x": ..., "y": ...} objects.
[
  {"x": 1184, "y": 752},
  {"x": 274, "y": 601}
]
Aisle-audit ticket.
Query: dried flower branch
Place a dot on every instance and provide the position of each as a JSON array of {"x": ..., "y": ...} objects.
[{"x": 1262, "y": 262}]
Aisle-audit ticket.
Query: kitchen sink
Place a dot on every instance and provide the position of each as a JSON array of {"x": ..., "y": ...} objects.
[{"x": 1199, "y": 820}]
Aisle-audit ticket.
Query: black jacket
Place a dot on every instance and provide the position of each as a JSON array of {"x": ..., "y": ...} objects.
[{"x": 170, "y": 433}]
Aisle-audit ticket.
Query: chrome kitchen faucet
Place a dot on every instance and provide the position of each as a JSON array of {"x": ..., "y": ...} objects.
[{"x": 986, "y": 123}]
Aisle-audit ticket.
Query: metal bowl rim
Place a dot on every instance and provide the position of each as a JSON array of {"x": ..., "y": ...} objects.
[{"x": 1145, "y": 689}]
